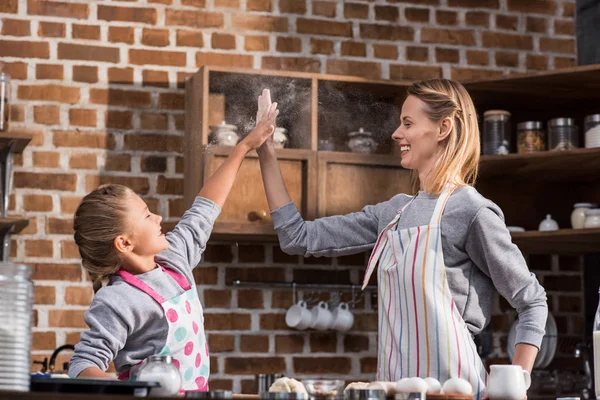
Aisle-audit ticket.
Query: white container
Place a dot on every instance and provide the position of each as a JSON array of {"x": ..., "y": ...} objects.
[
  {"x": 224, "y": 134},
  {"x": 548, "y": 224},
  {"x": 592, "y": 218},
  {"x": 578, "y": 214},
  {"x": 361, "y": 142},
  {"x": 280, "y": 139},
  {"x": 162, "y": 370}
]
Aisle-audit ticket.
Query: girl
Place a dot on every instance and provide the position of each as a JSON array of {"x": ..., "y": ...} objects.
[
  {"x": 150, "y": 305},
  {"x": 440, "y": 252}
]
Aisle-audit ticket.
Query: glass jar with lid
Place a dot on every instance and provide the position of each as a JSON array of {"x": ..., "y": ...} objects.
[
  {"x": 592, "y": 218},
  {"x": 578, "y": 214},
  {"x": 592, "y": 131},
  {"x": 562, "y": 134},
  {"x": 496, "y": 132},
  {"x": 531, "y": 137},
  {"x": 161, "y": 369},
  {"x": 4, "y": 101},
  {"x": 361, "y": 141}
]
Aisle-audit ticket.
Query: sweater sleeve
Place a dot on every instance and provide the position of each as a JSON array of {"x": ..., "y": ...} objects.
[{"x": 490, "y": 246}]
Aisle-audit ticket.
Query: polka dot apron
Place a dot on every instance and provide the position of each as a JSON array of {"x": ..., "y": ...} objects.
[{"x": 186, "y": 341}]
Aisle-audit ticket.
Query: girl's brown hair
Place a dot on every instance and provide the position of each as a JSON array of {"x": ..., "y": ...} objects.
[
  {"x": 458, "y": 161},
  {"x": 99, "y": 219}
]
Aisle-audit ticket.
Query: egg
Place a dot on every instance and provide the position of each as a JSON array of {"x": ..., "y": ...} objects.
[
  {"x": 457, "y": 386},
  {"x": 433, "y": 385},
  {"x": 411, "y": 385}
]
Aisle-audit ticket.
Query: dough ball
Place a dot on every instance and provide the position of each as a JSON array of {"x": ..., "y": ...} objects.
[{"x": 457, "y": 386}]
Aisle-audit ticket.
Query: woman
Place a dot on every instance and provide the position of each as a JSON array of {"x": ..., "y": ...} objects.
[{"x": 440, "y": 252}]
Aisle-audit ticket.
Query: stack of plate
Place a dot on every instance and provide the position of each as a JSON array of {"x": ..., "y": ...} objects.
[
  {"x": 547, "y": 349},
  {"x": 592, "y": 137},
  {"x": 16, "y": 298}
]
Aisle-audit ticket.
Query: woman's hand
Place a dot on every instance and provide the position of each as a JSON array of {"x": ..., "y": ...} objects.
[
  {"x": 267, "y": 112},
  {"x": 264, "y": 101}
]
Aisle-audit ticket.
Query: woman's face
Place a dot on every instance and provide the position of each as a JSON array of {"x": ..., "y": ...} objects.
[{"x": 417, "y": 136}]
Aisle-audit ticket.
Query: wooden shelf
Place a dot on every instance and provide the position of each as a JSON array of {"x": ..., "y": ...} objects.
[
  {"x": 562, "y": 241},
  {"x": 581, "y": 165},
  {"x": 17, "y": 224},
  {"x": 20, "y": 140}
]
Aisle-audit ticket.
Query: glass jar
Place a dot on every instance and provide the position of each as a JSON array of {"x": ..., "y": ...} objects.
[
  {"x": 16, "y": 303},
  {"x": 162, "y": 370},
  {"x": 496, "y": 132},
  {"x": 562, "y": 134},
  {"x": 361, "y": 141},
  {"x": 531, "y": 137},
  {"x": 578, "y": 214},
  {"x": 280, "y": 139},
  {"x": 592, "y": 218},
  {"x": 592, "y": 131},
  {"x": 4, "y": 101},
  {"x": 224, "y": 134}
]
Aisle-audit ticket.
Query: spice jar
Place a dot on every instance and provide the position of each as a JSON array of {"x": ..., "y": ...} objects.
[
  {"x": 224, "y": 134},
  {"x": 592, "y": 131},
  {"x": 361, "y": 141},
  {"x": 280, "y": 138},
  {"x": 578, "y": 214},
  {"x": 531, "y": 137},
  {"x": 4, "y": 101},
  {"x": 496, "y": 132},
  {"x": 592, "y": 218},
  {"x": 562, "y": 134},
  {"x": 162, "y": 370}
]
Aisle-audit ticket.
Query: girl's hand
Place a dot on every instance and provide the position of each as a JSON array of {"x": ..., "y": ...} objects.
[
  {"x": 265, "y": 126},
  {"x": 264, "y": 101}
]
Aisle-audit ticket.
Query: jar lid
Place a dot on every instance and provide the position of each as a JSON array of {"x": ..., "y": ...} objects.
[
  {"x": 496, "y": 114},
  {"x": 280, "y": 129},
  {"x": 157, "y": 358},
  {"x": 561, "y": 122},
  {"x": 529, "y": 125},
  {"x": 224, "y": 125},
  {"x": 593, "y": 118},
  {"x": 360, "y": 132},
  {"x": 282, "y": 396},
  {"x": 364, "y": 394},
  {"x": 592, "y": 211},
  {"x": 585, "y": 205},
  {"x": 213, "y": 394}
]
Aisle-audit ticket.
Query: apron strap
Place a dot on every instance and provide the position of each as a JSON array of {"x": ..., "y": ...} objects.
[
  {"x": 140, "y": 284},
  {"x": 441, "y": 204},
  {"x": 178, "y": 277}
]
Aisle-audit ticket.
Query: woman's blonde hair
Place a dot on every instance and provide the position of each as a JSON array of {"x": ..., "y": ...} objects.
[
  {"x": 99, "y": 219},
  {"x": 458, "y": 162}
]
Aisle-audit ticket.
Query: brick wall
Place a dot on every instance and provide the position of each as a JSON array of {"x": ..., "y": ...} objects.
[{"x": 99, "y": 85}]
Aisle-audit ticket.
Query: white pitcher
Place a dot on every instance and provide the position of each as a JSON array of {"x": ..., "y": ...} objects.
[{"x": 508, "y": 382}]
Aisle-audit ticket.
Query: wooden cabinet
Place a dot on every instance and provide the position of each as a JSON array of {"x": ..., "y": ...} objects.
[{"x": 320, "y": 110}]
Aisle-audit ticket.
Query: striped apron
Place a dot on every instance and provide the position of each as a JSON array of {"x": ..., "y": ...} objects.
[{"x": 421, "y": 333}]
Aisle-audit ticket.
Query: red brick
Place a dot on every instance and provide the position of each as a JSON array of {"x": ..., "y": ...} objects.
[
  {"x": 448, "y": 36},
  {"x": 206, "y": 276},
  {"x": 176, "y": 208},
  {"x": 365, "y": 322},
  {"x": 217, "y": 298},
  {"x": 83, "y": 139},
  {"x": 190, "y": 39},
  {"x": 150, "y": 121},
  {"x": 387, "y": 13},
  {"x": 68, "y": 249},
  {"x": 532, "y": 6},
  {"x": 155, "y": 78},
  {"x": 63, "y": 94},
  {"x": 292, "y": 64},
  {"x": 119, "y": 97},
  {"x": 120, "y": 75},
  {"x": 564, "y": 62},
  {"x": 9, "y": 6},
  {"x": 324, "y": 8},
  {"x": 43, "y": 340},
  {"x": 47, "y": 115},
  {"x": 446, "y": 17},
  {"x": 368, "y": 365},
  {"x": 321, "y": 46},
  {"x": 231, "y": 4},
  {"x": 155, "y": 37},
  {"x": 73, "y": 337},
  {"x": 155, "y": 57},
  {"x": 246, "y": 274},
  {"x": 536, "y": 25},
  {"x": 194, "y": 3},
  {"x": 84, "y": 73},
  {"x": 118, "y": 119},
  {"x": 416, "y": 14},
  {"x": 82, "y": 117},
  {"x": 289, "y": 344},
  {"x": 46, "y": 159},
  {"x": 85, "y": 52},
  {"x": 196, "y": 19},
  {"x": 537, "y": 62},
  {"x": 356, "y": 343},
  {"x": 153, "y": 164},
  {"x": 323, "y": 342},
  {"x": 15, "y": 27},
  {"x": 169, "y": 186},
  {"x": 51, "y": 29},
  {"x": 218, "y": 343},
  {"x": 256, "y": 43},
  {"x": 83, "y": 161},
  {"x": 370, "y": 70},
  {"x": 463, "y": 74},
  {"x": 564, "y": 27},
  {"x": 223, "y": 41},
  {"x": 446, "y": 55},
  {"x": 128, "y": 14},
  {"x": 504, "y": 59},
  {"x": 137, "y": 184},
  {"x": 16, "y": 70},
  {"x": 66, "y": 319},
  {"x": 477, "y": 57},
  {"x": 17, "y": 114},
  {"x": 320, "y": 27},
  {"x": 90, "y": 32},
  {"x": 322, "y": 365},
  {"x": 23, "y": 49},
  {"x": 171, "y": 101},
  {"x": 117, "y": 162},
  {"x": 478, "y": 18},
  {"x": 259, "y": 5},
  {"x": 37, "y": 202},
  {"x": 254, "y": 365},
  {"x": 59, "y": 226},
  {"x": 414, "y": 53},
  {"x": 227, "y": 322},
  {"x": 259, "y": 23},
  {"x": 44, "y": 294},
  {"x": 68, "y": 204},
  {"x": 81, "y": 296},
  {"x": 225, "y": 60},
  {"x": 474, "y": 3},
  {"x": 557, "y": 45},
  {"x": 292, "y": 6},
  {"x": 254, "y": 344},
  {"x": 218, "y": 254},
  {"x": 568, "y": 10},
  {"x": 121, "y": 34},
  {"x": 288, "y": 45},
  {"x": 386, "y": 32},
  {"x": 354, "y": 49},
  {"x": 413, "y": 72},
  {"x": 49, "y": 71},
  {"x": 356, "y": 11},
  {"x": 57, "y": 9},
  {"x": 507, "y": 22},
  {"x": 38, "y": 248},
  {"x": 160, "y": 143},
  {"x": 272, "y": 322},
  {"x": 252, "y": 299},
  {"x": 507, "y": 41}
]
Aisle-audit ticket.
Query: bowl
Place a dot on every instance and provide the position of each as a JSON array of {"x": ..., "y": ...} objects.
[{"x": 323, "y": 388}]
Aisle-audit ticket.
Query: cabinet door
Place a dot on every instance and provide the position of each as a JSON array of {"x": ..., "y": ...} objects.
[
  {"x": 246, "y": 209},
  {"x": 349, "y": 181}
]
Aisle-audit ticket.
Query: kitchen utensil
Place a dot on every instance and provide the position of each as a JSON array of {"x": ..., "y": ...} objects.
[
  {"x": 298, "y": 316},
  {"x": 508, "y": 382},
  {"x": 361, "y": 141},
  {"x": 224, "y": 134},
  {"x": 364, "y": 394},
  {"x": 578, "y": 214},
  {"x": 323, "y": 388},
  {"x": 162, "y": 370},
  {"x": 562, "y": 134},
  {"x": 343, "y": 319},
  {"x": 496, "y": 132},
  {"x": 592, "y": 218},
  {"x": 321, "y": 316}
]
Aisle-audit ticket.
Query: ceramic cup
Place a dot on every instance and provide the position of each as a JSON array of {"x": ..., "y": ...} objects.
[
  {"x": 508, "y": 382},
  {"x": 298, "y": 316},
  {"x": 322, "y": 318},
  {"x": 343, "y": 319}
]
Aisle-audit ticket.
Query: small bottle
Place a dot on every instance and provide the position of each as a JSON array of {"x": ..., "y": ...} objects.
[
  {"x": 596, "y": 342},
  {"x": 162, "y": 370},
  {"x": 4, "y": 101}
]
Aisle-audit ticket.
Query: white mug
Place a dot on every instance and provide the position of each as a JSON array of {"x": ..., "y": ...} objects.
[
  {"x": 508, "y": 382},
  {"x": 343, "y": 319},
  {"x": 321, "y": 316},
  {"x": 298, "y": 316}
]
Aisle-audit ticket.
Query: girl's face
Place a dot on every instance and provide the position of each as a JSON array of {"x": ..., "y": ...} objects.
[
  {"x": 417, "y": 136},
  {"x": 146, "y": 235}
]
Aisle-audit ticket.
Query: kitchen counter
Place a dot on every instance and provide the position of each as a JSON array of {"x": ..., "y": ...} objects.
[{"x": 5, "y": 395}]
